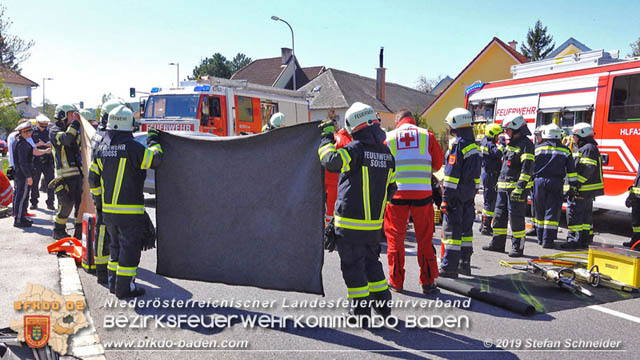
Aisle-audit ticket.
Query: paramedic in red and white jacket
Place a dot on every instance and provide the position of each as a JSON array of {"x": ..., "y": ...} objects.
[
  {"x": 417, "y": 154},
  {"x": 342, "y": 138}
]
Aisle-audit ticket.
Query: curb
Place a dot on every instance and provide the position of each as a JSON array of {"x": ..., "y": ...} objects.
[{"x": 85, "y": 344}]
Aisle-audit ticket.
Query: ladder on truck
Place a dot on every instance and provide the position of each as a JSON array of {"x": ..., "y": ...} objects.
[
  {"x": 244, "y": 84},
  {"x": 584, "y": 60}
]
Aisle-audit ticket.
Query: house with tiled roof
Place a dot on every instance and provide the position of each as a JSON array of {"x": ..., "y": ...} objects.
[
  {"x": 492, "y": 63},
  {"x": 278, "y": 72},
  {"x": 339, "y": 89},
  {"x": 571, "y": 46},
  {"x": 19, "y": 84}
]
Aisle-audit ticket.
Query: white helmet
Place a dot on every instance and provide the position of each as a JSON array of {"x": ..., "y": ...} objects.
[
  {"x": 551, "y": 131},
  {"x": 513, "y": 122},
  {"x": 458, "y": 118},
  {"x": 582, "y": 130},
  {"x": 359, "y": 116},
  {"x": 42, "y": 119},
  {"x": 276, "y": 120},
  {"x": 121, "y": 119},
  {"x": 107, "y": 107},
  {"x": 62, "y": 110}
]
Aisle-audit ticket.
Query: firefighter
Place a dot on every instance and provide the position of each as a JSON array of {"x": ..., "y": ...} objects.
[
  {"x": 491, "y": 163},
  {"x": 367, "y": 179},
  {"x": 514, "y": 183},
  {"x": 43, "y": 163},
  {"x": 275, "y": 122},
  {"x": 417, "y": 155},
  {"x": 537, "y": 139},
  {"x": 342, "y": 138},
  {"x": 553, "y": 161},
  {"x": 590, "y": 185},
  {"x": 23, "y": 178},
  {"x": 103, "y": 239},
  {"x": 633, "y": 202},
  {"x": 117, "y": 176},
  {"x": 68, "y": 162},
  {"x": 461, "y": 181}
]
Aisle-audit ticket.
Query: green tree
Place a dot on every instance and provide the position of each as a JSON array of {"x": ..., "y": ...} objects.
[
  {"x": 538, "y": 43},
  {"x": 635, "y": 48},
  {"x": 13, "y": 50},
  {"x": 9, "y": 114},
  {"x": 218, "y": 66}
]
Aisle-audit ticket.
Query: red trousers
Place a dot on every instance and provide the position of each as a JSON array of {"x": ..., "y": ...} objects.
[
  {"x": 332, "y": 195},
  {"x": 396, "y": 218}
]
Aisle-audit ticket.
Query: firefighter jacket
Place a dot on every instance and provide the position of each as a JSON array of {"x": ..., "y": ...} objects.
[
  {"x": 462, "y": 170},
  {"x": 491, "y": 155},
  {"x": 589, "y": 168},
  {"x": 417, "y": 155},
  {"x": 23, "y": 158},
  {"x": 342, "y": 138},
  {"x": 117, "y": 175},
  {"x": 42, "y": 135},
  {"x": 367, "y": 177},
  {"x": 517, "y": 164},
  {"x": 554, "y": 161},
  {"x": 66, "y": 149}
]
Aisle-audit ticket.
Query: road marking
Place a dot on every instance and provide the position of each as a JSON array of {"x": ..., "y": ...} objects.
[{"x": 619, "y": 314}]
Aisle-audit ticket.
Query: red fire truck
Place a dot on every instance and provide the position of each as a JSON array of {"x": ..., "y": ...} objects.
[
  {"x": 221, "y": 107},
  {"x": 595, "y": 87}
]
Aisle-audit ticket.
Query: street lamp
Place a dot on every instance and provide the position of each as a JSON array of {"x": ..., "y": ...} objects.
[
  {"x": 44, "y": 104},
  {"x": 177, "y": 64},
  {"x": 293, "y": 48}
]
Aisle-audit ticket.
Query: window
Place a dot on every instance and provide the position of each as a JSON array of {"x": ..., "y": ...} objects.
[
  {"x": 481, "y": 112},
  {"x": 164, "y": 106},
  {"x": 245, "y": 109},
  {"x": 564, "y": 118},
  {"x": 267, "y": 108},
  {"x": 625, "y": 99},
  {"x": 214, "y": 107}
]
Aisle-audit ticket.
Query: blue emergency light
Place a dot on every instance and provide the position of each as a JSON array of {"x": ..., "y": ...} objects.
[
  {"x": 202, "y": 88},
  {"x": 155, "y": 90}
]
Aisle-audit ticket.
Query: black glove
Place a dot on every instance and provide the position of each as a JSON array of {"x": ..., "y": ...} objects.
[
  {"x": 330, "y": 237},
  {"x": 152, "y": 137},
  {"x": 149, "y": 234},
  {"x": 75, "y": 124},
  {"x": 327, "y": 127},
  {"x": 11, "y": 172},
  {"x": 571, "y": 193},
  {"x": 628, "y": 202}
]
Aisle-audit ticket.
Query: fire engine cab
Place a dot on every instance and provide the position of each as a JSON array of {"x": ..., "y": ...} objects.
[
  {"x": 595, "y": 87},
  {"x": 221, "y": 107}
]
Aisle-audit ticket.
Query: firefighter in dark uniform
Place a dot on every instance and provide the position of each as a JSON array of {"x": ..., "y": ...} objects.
[
  {"x": 491, "y": 164},
  {"x": 514, "y": 183},
  {"x": 68, "y": 161},
  {"x": 117, "y": 176},
  {"x": 42, "y": 164},
  {"x": 590, "y": 184},
  {"x": 633, "y": 202},
  {"x": 23, "y": 177},
  {"x": 553, "y": 162},
  {"x": 366, "y": 181},
  {"x": 103, "y": 240},
  {"x": 461, "y": 182}
]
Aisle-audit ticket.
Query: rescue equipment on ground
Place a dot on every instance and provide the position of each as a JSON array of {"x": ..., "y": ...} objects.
[
  {"x": 498, "y": 299},
  {"x": 563, "y": 277},
  {"x": 69, "y": 246},
  {"x": 620, "y": 264}
]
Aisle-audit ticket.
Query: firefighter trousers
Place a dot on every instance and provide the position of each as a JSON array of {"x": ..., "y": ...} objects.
[
  {"x": 509, "y": 211},
  {"x": 20, "y": 198},
  {"x": 124, "y": 256},
  {"x": 458, "y": 234},
  {"x": 396, "y": 218},
  {"x": 42, "y": 167},
  {"x": 69, "y": 193},
  {"x": 580, "y": 219},
  {"x": 332, "y": 196},
  {"x": 548, "y": 204},
  {"x": 363, "y": 274},
  {"x": 635, "y": 221},
  {"x": 489, "y": 193},
  {"x": 102, "y": 244}
]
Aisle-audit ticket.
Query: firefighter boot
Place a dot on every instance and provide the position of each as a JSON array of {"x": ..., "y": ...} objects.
[
  {"x": 485, "y": 226},
  {"x": 126, "y": 287},
  {"x": 465, "y": 262},
  {"x": 497, "y": 244},
  {"x": 60, "y": 233},
  {"x": 517, "y": 247},
  {"x": 102, "y": 274},
  {"x": 111, "y": 279},
  {"x": 77, "y": 231},
  {"x": 360, "y": 312},
  {"x": 381, "y": 303}
]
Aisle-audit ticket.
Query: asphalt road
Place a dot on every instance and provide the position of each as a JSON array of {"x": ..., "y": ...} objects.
[{"x": 516, "y": 336}]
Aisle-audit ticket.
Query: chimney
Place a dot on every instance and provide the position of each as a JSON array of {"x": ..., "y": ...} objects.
[
  {"x": 380, "y": 78},
  {"x": 286, "y": 54},
  {"x": 514, "y": 45}
]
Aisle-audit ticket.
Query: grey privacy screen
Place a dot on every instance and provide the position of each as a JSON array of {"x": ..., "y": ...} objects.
[{"x": 242, "y": 210}]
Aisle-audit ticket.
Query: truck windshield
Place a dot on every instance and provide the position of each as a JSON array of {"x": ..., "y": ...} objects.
[{"x": 165, "y": 106}]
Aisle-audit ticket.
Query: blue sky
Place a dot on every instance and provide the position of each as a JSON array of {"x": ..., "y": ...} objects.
[{"x": 96, "y": 47}]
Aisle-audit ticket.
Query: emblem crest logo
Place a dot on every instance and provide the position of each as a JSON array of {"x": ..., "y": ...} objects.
[{"x": 36, "y": 330}]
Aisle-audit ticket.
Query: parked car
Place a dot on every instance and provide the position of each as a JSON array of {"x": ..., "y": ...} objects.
[
  {"x": 141, "y": 137},
  {"x": 4, "y": 149}
]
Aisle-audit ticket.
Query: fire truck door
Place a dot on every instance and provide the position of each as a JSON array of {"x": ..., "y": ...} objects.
[
  {"x": 213, "y": 117},
  {"x": 248, "y": 118}
]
